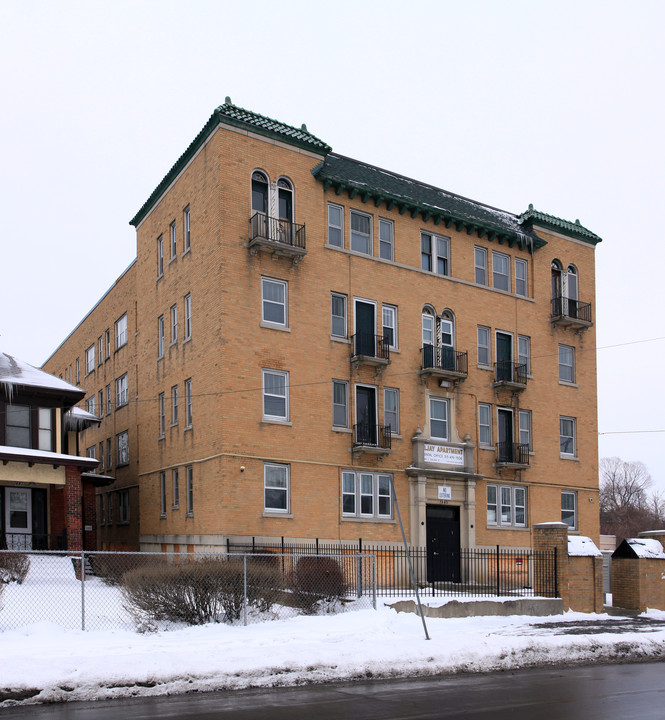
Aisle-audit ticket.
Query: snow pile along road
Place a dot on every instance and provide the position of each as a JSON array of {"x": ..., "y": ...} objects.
[{"x": 47, "y": 663}]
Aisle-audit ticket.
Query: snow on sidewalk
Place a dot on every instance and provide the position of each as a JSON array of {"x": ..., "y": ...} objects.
[{"x": 52, "y": 663}]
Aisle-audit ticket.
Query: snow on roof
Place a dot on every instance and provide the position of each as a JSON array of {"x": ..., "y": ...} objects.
[
  {"x": 581, "y": 546},
  {"x": 77, "y": 418},
  {"x": 16, "y": 372},
  {"x": 646, "y": 547},
  {"x": 47, "y": 457}
]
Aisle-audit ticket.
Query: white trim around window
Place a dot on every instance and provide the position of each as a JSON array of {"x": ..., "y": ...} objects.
[
  {"x": 361, "y": 232},
  {"x": 480, "y": 265},
  {"x": 484, "y": 346},
  {"x": 568, "y": 436},
  {"x": 389, "y": 325},
  {"x": 569, "y": 508},
  {"x": 439, "y": 418},
  {"x": 521, "y": 277},
  {"x": 338, "y": 315},
  {"x": 366, "y": 495},
  {"x": 275, "y": 395},
  {"x": 386, "y": 239},
  {"x": 335, "y": 225},
  {"x": 500, "y": 271},
  {"x": 120, "y": 331},
  {"x": 391, "y": 409},
  {"x": 506, "y": 506},
  {"x": 274, "y": 302},
  {"x": 485, "y": 425},
  {"x": 566, "y": 364},
  {"x": 276, "y": 488},
  {"x": 340, "y": 403}
]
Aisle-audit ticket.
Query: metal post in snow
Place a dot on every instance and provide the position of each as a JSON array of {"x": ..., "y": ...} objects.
[
  {"x": 374, "y": 581},
  {"x": 408, "y": 557},
  {"x": 498, "y": 587},
  {"x": 244, "y": 589},
  {"x": 359, "y": 577},
  {"x": 82, "y": 590}
]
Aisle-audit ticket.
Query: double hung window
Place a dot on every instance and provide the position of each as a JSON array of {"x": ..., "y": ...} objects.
[
  {"x": 90, "y": 359},
  {"x": 162, "y": 415},
  {"x": 569, "y": 508},
  {"x": 160, "y": 256},
  {"x": 386, "y": 239},
  {"x": 506, "y": 506},
  {"x": 501, "y": 271},
  {"x": 438, "y": 418},
  {"x": 521, "y": 286},
  {"x": 484, "y": 346},
  {"x": 338, "y": 315},
  {"x": 174, "y": 324},
  {"x": 188, "y": 316},
  {"x": 361, "y": 232},
  {"x": 480, "y": 261},
  {"x": 121, "y": 391},
  {"x": 276, "y": 491},
  {"x": 567, "y": 432},
  {"x": 391, "y": 409},
  {"x": 566, "y": 364},
  {"x": 485, "y": 424},
  {"x": 335, "y": 225},
  {"x": 188, "y": 403},
  {"x": 524, "y": 420},
  {"x": 275, "y": 395},
  {"x": 123, "y": 448},
  {"x": 366, "y": 494},
  {"x": 174, "y": 244},
  {"x": 340, "y": 403},
  {"x": 274, "y": 294},
  {"x": 176, "y": 488},
  {"x": 389, "y": 313},
  {"x": 524, "y": 352},
  {"x": 121, "y": 331},
  {"x": 186, "y": 221},
  {"x": 174, "y": 405},
  {"x": 434, "y": 253}
]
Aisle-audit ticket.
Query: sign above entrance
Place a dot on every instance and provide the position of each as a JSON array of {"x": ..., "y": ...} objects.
[
  {"x": 445, "y": 493},
  {"x": 444, "y": 455}
]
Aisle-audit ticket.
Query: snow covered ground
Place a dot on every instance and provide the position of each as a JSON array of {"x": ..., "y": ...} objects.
[{"x": 49, "y": 660}]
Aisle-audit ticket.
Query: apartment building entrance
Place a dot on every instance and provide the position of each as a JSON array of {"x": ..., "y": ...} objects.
[{"x": 443, "y": 543}]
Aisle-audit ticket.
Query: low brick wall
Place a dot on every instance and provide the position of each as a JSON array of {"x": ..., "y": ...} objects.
[
  {"x": 585, "y": 584},
  {"x": 638, "y": 583}
]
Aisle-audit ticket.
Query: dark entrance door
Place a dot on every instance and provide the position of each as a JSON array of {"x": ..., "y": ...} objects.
[
  {"x": 443, "y": 543},
  {"x": 504, "y": 357},
  {"x": 366, "y": 415},
  {"x": 365, "y": 329}
]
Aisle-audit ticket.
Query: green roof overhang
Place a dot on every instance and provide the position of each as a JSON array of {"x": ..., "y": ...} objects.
[{"x": 571, "y": 229}]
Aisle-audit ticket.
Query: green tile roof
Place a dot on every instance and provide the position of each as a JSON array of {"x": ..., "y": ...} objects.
[
  {"x": 230, "y": 114},
  {"x": 416, "y": 198},
  {"x": 572, "y": 229}
]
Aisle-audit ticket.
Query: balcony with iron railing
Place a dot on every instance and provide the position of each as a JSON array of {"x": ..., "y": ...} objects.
[
  {"x": 370, "y": 349},
  {"x": 373, "y": 439},
  {"x": 571, "y": 313},
  {"x": 510, "y": 375},
  {"x": 277, "y": 236},
  {"x": 512, "y": 455},
  {"x": 444, "y": 362},
  {"x": 23, "y": 542}
]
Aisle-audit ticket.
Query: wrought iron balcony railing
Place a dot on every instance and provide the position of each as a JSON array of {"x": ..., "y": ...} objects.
[
  {"x": 510, "y": 453},
  {"x": 275, "y": 230},
  {"x": 571, "y": 310},
  {"x": 372, "y": 436},
  {"x": 369, "y": 345},
  {"x": 510, "y": 373},
  {"x": 32, "y": 541},
  {"x": 445, "y": 360}
]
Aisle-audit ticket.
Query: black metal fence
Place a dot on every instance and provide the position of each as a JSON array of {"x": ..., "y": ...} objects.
[
  {"x": 33, "y": 541},
  {"x": 486, "y": 572}
]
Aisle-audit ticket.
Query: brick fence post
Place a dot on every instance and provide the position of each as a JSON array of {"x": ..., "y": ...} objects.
[
  {"x": 73, "y": 495},
  {"x": 546, "y": 537}
]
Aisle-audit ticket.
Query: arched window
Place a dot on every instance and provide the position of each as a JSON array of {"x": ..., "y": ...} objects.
[
  {"x": 429, "y": 326},
  {"x": 285, "y": 199},
  {"x": 446, "y": 334},
  {"x": 557, "y": 277},
  {"x": 259, "y": 192},
  {"x": 571, "y": 277}
]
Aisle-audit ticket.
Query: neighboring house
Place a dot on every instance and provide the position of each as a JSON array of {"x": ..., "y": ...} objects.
[
  {"x": 46, "y": 490},
  {"x": 299, "y": 329}
]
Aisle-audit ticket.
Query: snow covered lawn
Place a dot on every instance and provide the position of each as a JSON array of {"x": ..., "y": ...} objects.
[{"x": 66, "y": 664}]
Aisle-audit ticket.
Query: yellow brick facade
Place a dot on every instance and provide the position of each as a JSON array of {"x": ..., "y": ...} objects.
[{"x": 226, "y": 447}]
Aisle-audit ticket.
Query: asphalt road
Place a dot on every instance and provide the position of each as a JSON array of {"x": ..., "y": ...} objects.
[{"x": 601, "y": 692}]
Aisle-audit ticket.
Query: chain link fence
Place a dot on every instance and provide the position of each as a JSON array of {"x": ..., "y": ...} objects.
[{"x": 153, "y": 591}]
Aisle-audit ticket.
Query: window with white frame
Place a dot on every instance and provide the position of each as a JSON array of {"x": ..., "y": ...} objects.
[
  {"x": 121, "y": 391},
  {"x": 500, "y": 271},
  {"x": 567, "y": 432},
  {"x": 485, "y": 424},
  {"x": 189, "y": 474},
  {"x": 438, "y": 418},
  {"x": 174, "y": 324},
  {"x": 91, "y": 452},
  {"x": 174, "y": 242},
  {"x": 484, "y": 355},
  {"x": 480, "y": 263},
  {"x": 174, "y": 405},
  {"x": 524, "y": 420},
  {"x": 121, "y": 331},
  {"x": 276, "y": 488},
  {"x": 90, "y": 405},
  {"x": 275, "y": 395},
  {"x": 123, "y": 506},
  {"x": 361, "y": 232},
  {"x": 366, "y": 494},
  {"x": 160, "y": 256},
  {"x": 566, "y": 363},
  {"x": 162, "y": 415},
  {"x": 123, "y": 448},
  {"x": 188, "y": 316},
  {"x": 391, "y": 409},
  {"x": 524, "y": 352},
  {"x": 100, "y": 350},
  {"x": 109, "y": 404},
  {"x": 90, "y": 359},
  {"x": 435, "y": 253},
  {"x": 78, "y": 371},
  {"x": 109, "y": 454},
  {"x": 160, "y": 336},
  {"x": 162, "y": 494},
  {"x": 335, "y": 225},
  {"x": 521, "y": 285},
  {"x": 386, "y": 239},
  {"x": 506, "y": 506},
  {"x": 389, "y": 313},
  {"x": 569, "y": 508},
  {"x": 100, "y": 397},
  {"x": 340, "y": 402},
  {"x": 338, "y": 315},
  {"x": 175, "y": 482},
  {"x": 186, "y": 228},
  {"x": 107, "y": 354},
  {"x": 274, "y": 299},
  {"x": 188, "y": 403}
]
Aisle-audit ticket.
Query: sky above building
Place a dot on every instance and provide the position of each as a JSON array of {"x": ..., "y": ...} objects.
[{"x": 508, "y": 102}]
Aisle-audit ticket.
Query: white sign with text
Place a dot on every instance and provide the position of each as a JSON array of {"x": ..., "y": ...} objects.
[{"x": 444, "y": 455}]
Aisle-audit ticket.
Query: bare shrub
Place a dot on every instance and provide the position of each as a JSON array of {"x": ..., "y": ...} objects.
[
  {"x": 208, "y": 590},
  {"x": 317, "y": 582},
  {"x": 112, "y": 566},
  {"x": 14, "y": 567}
]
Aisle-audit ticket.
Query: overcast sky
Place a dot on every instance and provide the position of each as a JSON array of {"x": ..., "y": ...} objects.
[{"x": 509, "y": 102}]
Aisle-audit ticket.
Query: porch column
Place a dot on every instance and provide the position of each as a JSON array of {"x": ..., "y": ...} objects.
[{"x": 73, "y": 507}]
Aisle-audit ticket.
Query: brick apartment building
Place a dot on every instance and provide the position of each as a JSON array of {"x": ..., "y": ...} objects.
[{"x": 299, "y": 329}]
